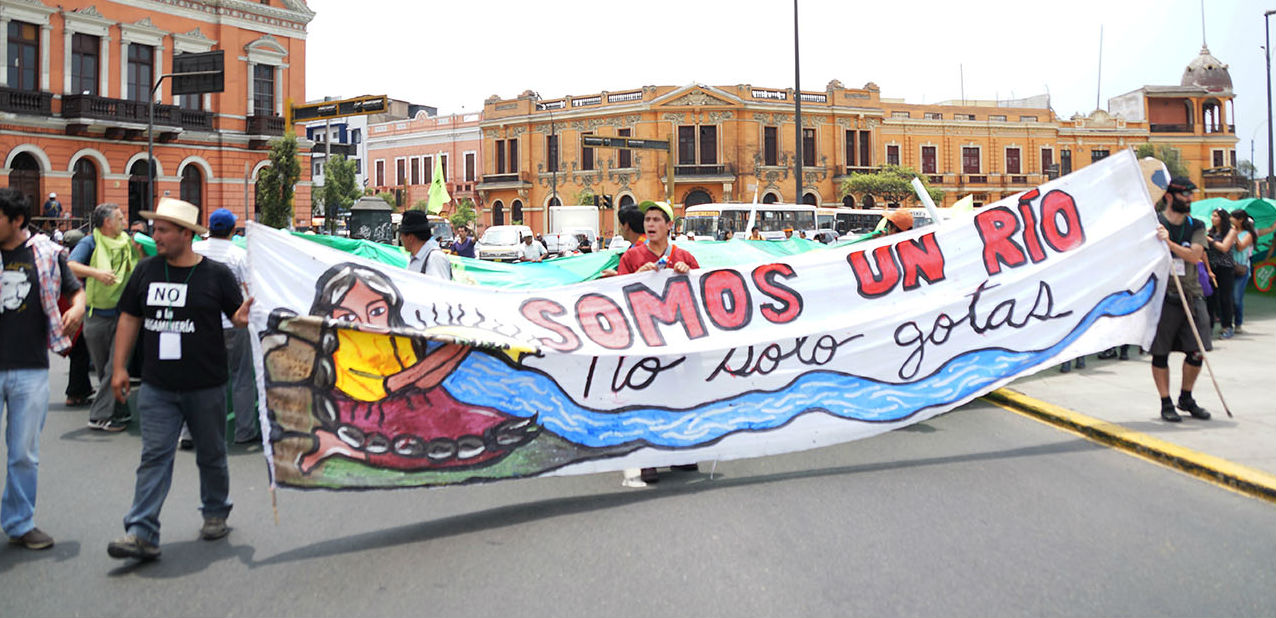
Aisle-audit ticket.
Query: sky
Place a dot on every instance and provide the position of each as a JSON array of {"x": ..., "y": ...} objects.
[{"x": 453, "y": 55}]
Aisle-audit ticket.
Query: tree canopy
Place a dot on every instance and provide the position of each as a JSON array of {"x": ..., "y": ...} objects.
[
  {"x": 339, "y": 191},
  {"x": 892, "y": 184},
  {"x": 464, "y": 214},
  {"x": 1168, "y": 155},
  {"x": 276, "y": 183}
]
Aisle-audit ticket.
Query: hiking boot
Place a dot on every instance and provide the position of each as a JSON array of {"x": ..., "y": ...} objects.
[
  {"x": 1168, "y": 414},
  {"x": 1189, "y": 405},
  {"x": 130, "y": 546},
  {"x": 214, "y": 528},
  {"x": 35, "y": 538}
]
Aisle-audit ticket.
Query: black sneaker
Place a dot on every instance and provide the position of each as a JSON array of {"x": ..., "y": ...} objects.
[
  {"x": 130, "y": 546},
  {"x": 1169, "y": 415},
  {"x": 1190, "y": 406}
]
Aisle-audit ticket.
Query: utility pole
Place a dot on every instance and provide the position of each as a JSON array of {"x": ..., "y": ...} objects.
[{"x": 800, "y": 148}]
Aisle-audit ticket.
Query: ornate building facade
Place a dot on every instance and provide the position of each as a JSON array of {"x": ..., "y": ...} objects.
[
  {"x": 402, "y": 154},
  {"x": 73, "y": 106},
  {"x": 730, "y": 142}
]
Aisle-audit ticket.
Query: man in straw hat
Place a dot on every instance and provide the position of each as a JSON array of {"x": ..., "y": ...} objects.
[{"x": 176, "y": 299}]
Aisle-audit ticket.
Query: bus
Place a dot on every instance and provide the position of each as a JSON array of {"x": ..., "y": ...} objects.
[
  {"x": 858, "y": 221},
  {"x": 711, "y": 221}
]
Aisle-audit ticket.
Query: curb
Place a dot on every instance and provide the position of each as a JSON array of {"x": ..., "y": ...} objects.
[{"x": 1236, "y": 477}]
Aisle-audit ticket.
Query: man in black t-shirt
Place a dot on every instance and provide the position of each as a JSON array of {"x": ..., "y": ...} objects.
[
  {"x": 33, "y": 274},
  {"x": 176, "y": 299},
  {"x": 1185, "y": 238}
]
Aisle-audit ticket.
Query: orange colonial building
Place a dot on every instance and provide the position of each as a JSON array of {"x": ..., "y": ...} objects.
[
  {"x": 73, "y": 106},
  {"x": 402, "y": 154},
  {"x": 731, "y": 142}
]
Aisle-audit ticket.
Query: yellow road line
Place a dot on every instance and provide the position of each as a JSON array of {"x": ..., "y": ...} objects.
[{"x": 1238, "y": 478}]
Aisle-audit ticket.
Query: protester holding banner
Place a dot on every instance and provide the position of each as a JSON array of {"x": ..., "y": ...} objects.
[
  {"x": 1185, "y": 237},
  {"x": 104, "y": 260},
  {"x": 176, "y": 300},
  {"x": 1220, "y": 240},
  {"x": 656, "y": 254}
]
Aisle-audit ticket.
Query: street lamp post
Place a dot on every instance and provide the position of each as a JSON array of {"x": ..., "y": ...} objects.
[
  {"x": 1267, "y": 51},
  {"x": 797, "y": 109}
]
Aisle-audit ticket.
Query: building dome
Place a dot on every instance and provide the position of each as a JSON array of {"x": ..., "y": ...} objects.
[{"x": 1206, "y": 71}]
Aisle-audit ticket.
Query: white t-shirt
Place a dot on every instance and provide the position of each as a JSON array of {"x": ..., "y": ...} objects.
[{"x": 532, "y": 252}]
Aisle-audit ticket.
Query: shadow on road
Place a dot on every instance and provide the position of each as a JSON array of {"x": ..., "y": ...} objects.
[
  {"x": 675, "y": 484},
  {"x": 12, "y": 555},
  {"x": 184, "y": 558}
]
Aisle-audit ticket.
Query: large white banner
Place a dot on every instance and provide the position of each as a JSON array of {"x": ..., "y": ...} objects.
[{"x": 374, "y": 376}]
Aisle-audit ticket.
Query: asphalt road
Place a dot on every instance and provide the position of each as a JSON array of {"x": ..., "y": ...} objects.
[{"x": 978, "y": 512}]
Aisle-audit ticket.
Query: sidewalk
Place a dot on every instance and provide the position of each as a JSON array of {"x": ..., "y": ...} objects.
[{"x": 1121, "y": 393}]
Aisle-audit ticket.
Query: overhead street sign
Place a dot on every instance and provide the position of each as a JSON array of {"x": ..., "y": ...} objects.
[
  {"x": 623, "y": 142},
  {"x": 358, "y": 106},
  {"x": 199, "y": 73}
]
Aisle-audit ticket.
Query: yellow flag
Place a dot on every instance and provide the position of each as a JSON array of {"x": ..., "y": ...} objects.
[
  {"x": 965, "y": 204},
  {"x": 438, "y": 190}
]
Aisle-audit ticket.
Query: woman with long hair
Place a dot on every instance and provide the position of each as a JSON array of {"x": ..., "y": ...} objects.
[
  {"x": 1242, "y": 252},
  {"x": 1220, "y": 240}
]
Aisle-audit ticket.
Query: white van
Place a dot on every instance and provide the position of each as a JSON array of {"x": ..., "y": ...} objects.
[{"x": 501, "y": 243}]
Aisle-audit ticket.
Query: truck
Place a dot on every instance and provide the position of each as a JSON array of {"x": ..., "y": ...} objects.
[{"x": 575, "y": 220}]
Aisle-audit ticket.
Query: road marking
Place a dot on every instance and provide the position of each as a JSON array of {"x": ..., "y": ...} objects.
[{"x": 1226, "y": 474}]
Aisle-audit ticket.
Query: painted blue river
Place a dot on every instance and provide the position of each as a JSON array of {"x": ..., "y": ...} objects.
[{"x": 486, "y": 381}]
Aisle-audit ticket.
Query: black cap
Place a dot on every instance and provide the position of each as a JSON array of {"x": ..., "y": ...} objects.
[
  {"x": 415, "y": 222},
  {"x": 1181, "y": 184}
]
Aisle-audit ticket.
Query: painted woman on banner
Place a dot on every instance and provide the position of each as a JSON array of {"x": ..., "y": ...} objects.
[{"x": 384, "y": 403}]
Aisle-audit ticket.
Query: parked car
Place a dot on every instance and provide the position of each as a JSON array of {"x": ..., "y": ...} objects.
[{"x": 501, "y": 243}]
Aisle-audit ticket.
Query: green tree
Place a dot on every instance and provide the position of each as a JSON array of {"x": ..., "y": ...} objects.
[
  {"x": 340, "y": 190},
  {"x": 1168, "y": 155},
  {"x": 464, "y": 214},
  {"x": 892, "y": 184},
  {"x": 276, "y": 183},
  {"x": 585, "y": 197},
  {"x": 422, "y": 205},
  {"x": 389, "y": 199}
]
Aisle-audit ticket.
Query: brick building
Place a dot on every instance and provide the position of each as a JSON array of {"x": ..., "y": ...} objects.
[
  {"x": 402, "y": 155},
  {"x": 732, "y": 141},
  {"x": 73, "y": 106}
]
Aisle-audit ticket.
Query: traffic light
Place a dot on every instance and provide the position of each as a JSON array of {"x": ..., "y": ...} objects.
[
  {"x": 607, "y": 201},
  {"x": 595, "y": 201}
]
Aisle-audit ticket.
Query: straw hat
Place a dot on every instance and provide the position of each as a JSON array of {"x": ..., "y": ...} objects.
[{"x": 176, "y": 212}]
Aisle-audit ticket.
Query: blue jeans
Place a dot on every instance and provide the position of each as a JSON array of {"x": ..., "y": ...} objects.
[
  {"x": 25, "y": 395},
  {"x": 162, "y": 414},
  {"x": 1238, "y": 296}
]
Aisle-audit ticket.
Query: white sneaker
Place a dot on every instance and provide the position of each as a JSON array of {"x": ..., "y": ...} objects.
[{"x": 633, "y": 478}]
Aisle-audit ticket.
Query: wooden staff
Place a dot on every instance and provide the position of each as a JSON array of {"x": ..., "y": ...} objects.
[{"x": 1187, "y": 310}]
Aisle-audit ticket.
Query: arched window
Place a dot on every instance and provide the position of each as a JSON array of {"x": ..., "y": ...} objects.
[
  {"x": 810, "y": 199},
  {"x": 193, "y": 186},
  {"x": 770, "y": 198},
  {"x": 849, "y": 201},
  {"x": 498, "y": 213},
  {"x": 516, "y": 213},
  {"x": 625, "y": 200},
  {"x": 83, "y": 188},
  {"x": 868, "y": 201},
  {"x": 24, "y": 175},
  {"x": 697, "y": 197},
  {"x": 137, "y": 198},
  {"x": 553, "y": 201}
]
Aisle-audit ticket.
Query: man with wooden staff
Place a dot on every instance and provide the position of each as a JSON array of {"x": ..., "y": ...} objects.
[{"x": 1185, "y": 238}]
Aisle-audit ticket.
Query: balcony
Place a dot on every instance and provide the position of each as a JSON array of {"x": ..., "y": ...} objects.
[
  {"x": 1222, "y": 128},
  {"x": 503, "y": 181},
  {"x": 93, "y": 107},
  {"x": 977, "y": 180},
  {"x": 1170, "y": 128},
  {"x": 26, "y": 102},
  {"x": 935, "y": 179},
  {"x": 1018, "y": 180},
  {"x": 265, "y": 125},
  {"x": 345, "y": 150},
  {"x": 704, "y": 172},
  {"x": 861, "y": 169},
  {"x": 1223, "y": 178}
]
